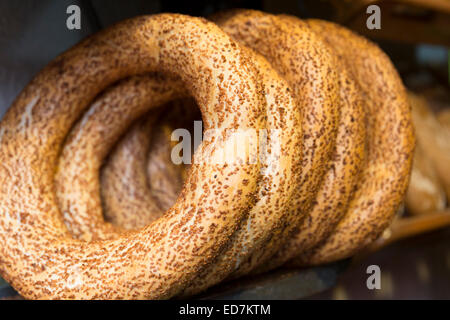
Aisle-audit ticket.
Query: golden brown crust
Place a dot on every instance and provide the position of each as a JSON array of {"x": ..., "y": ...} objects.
[
  {"x": 125, "y": 204},
  {"x": 314, "y": 153},
  {"x": 344, "y": 172},
  {"x": 139, "y": 174},
  {"x": 340, "y": 144},
  {"x": 165, "y": 177},
  {"x": 390, "y": 145},
  {"x": 309, "y": 67},
  {"x": 276, "y": 177},
  {"x": 77, "y": 181},
  {"x": 38, "y": 256},
  {"x": 277, "y": 183}
]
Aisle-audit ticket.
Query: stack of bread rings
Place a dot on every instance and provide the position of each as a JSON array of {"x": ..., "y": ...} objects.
[{"x": 92, "y": 207}]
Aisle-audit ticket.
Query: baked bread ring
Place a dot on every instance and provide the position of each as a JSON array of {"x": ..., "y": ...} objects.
[
  {"x": 344, "y": 171},
  {"x": 130, "y": 202},
  {"x": 240, "y": 28},
  {"x": 165, "y": 177},
  {"x": 279, "y": 174},
  {"x": 231, "y": 218},
  {"x": 242, "y": 25},
  {"x": 349, "y": 184},
  {"x": 390, "y": 146},
  {"x": 125, "y": 163},
  {"x": 338, "y": 187},
  {"x": 139, "y": 172},
  {"x": 277, "y": 178},
  {"x": 77, "y": 181},
  {"x": 310, "y": 68},
  {"x": 126, "y": 195},
  {"x": 39, "y": 258}
]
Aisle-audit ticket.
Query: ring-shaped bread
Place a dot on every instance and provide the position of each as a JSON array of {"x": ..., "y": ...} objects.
[
  {"x": 390, "y": 146},
  {"x": 39, "y": 258}
]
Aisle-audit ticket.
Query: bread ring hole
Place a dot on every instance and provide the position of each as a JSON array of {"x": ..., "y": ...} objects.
[
  {"x": 165, "y": 173},
  {"x": 144, "y": 173}
]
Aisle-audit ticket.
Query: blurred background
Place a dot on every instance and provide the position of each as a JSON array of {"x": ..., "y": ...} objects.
[{"x": 416, "y": 36}]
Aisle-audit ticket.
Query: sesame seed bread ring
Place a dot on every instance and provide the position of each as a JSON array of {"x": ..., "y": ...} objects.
[
  {"x": 139, "y": 172},
  {"x": 340, "y": 182},
  {"x": 140, "y": 169},
  {"x": 276, "y": 182},
  {"x": 39, "y": 258},
  {"x": 164, "y": 177},
  {"x": 77, "y": 182},
  {"x": 143, "y": 208},
  {"x": 279, "y": 174},
  {"x": 310, "y": 68},
  {"x": 208, "y": 276},
  {"x": 127, "y": 195},
  {"x": 390, "y": 146}
]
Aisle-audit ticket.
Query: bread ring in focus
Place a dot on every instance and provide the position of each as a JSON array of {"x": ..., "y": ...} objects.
[
  {"x": 39, "y": 257},
  {"x": 277, "y": 181},
  {"x": 306, "y": 154}
]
